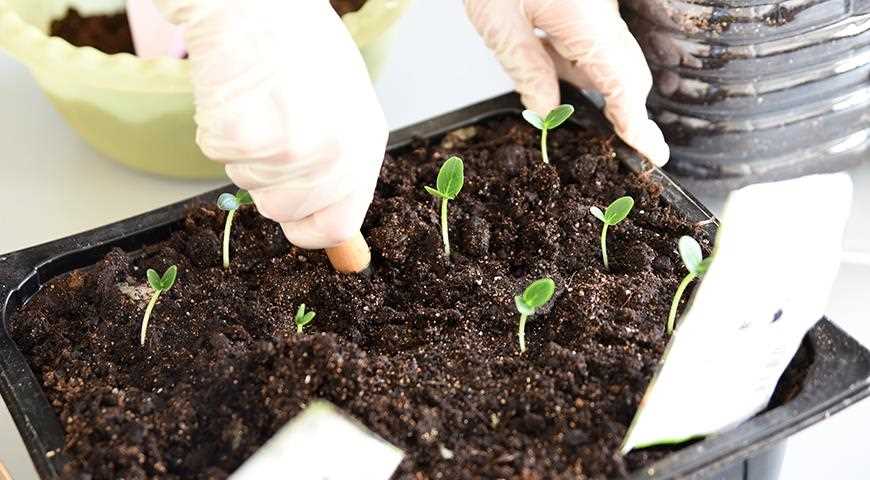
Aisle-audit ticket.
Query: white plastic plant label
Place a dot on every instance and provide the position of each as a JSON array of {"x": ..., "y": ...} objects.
[
  {"x": 775, "y": 261},
  {"x": 321, "y": 443}
]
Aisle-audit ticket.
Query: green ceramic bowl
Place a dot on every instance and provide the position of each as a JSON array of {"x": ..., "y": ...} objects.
[{"x": 135, "y": 111}]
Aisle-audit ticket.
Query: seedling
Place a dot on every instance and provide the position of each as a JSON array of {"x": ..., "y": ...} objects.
[
  {"x": 697, "y": 265},
  {"x": 230, "y": 203},
  {"x": 534, "y": 297},
  {"x": 303, "y": 318},
  {"x": 449, "y": 183},
  {"x": 160, "y": 285},
  {"x": 612, "y": 216},
  {"x": 556, "y": 117}
]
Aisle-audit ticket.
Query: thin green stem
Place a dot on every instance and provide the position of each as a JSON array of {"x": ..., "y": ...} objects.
[
  {"x": 676, "y": 303},
  {"x": 444, "y": 233},
  {"x": 522, "y": 333},
  {"x": 227, "y": 229},
  {"x": 604, "y": 247},
  {"x": 544, "y": 145},
  {"x": 298, "y": 328},
  {"x": 148, "y": 316}
]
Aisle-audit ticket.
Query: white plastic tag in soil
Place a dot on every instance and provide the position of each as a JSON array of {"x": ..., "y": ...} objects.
[
  {"x": 776, "y": 257},
  {"x": 322, "y": 443}
]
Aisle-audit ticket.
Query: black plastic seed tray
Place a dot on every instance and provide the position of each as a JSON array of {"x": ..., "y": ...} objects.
[
  {"x": 736, "y": 20},
  {"x": 836, "y": 377}
]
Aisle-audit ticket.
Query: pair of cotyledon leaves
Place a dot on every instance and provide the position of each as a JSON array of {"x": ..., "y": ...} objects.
[
  {"x": 451, "y": 177},
  {"x": 615, "y": 212},
  {"x": 535, "y": 296},
  {"x": 162, "y": 283},
  {"x": 693, "y": 257},
  {"x": 229, "y": 202},
  {"x": 556, "y": 117},
  {"x": 303, "y": 318}
]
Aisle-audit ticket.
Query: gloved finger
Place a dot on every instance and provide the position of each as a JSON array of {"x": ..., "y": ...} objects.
[
  {"x": 244, "y": 128},
  {"x": 285, "y": 198},
  {"x": 291, "y": 201},
  {"x": 642, "y": 134},
  {"x": 633, "y": 127},
  {"x": 220, "y": 42},
  {"x": 185, "y": 11},
  {"x": 332, "y": 225},
  {"x": 511, "y": 37},
  {"x": 153, "y": 35},
  {"x": 602, "y": 55}
]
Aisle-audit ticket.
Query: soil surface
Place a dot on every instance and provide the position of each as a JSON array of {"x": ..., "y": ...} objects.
[
  {"x": 423, "y": 350},
  {"x": 111, "y": 33}
]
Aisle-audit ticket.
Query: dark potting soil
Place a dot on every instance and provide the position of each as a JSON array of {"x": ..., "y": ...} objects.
[
  {"x": 423, "y": 350},
  {"x": 111, "y": 33},
  {"x": 107, "y": 33},
  {"x": 346, "y": 6}
]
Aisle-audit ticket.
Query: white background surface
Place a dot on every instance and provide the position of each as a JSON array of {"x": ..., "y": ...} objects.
[{"x": 55, "y": 185}]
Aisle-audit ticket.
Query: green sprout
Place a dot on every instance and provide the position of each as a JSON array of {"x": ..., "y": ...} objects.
[
  {"x": 230, "y": 203},
  {"x": 613, "y": 215},
  {"x": 556, "y": 117},
  {"x": 534, "y": 297},
  {"x": 693, "y": 258},
  {"x": 303, "y": 318},
  {"x": 449, "y": 183},
  {"x": 160, "y": 285}
]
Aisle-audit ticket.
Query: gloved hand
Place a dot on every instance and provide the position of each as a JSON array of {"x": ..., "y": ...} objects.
[
  {"x": 283, "y": 98},
  {"x": 587, "y": 44}
]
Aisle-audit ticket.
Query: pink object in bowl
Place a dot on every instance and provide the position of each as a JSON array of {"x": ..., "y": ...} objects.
[{"x": 153, "y": 35}]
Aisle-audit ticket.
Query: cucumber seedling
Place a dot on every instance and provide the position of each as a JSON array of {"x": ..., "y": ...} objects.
[
  {"x": 534, "y": 297},
  {"x": 159, "y": 284},
  {"x": 693, "y": 259},
  {"x": 612, "y": 216},
  {"x": 556, "y": 117},
  {"x": 447, "y": 187},
  {"x": 230, "y": 203},
  {"x": 302, "y": 318}
]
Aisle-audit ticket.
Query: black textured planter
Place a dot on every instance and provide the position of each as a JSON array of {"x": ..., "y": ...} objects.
[
  {"x": 835, "y": 367},
  {"x": 748, "y": 90}
]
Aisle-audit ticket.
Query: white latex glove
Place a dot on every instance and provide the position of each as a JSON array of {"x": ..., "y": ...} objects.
[
  {"x": 153, "y": 36},
  {"x": 283, "y": 98},
  {"x": 587, "y": 44}
]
